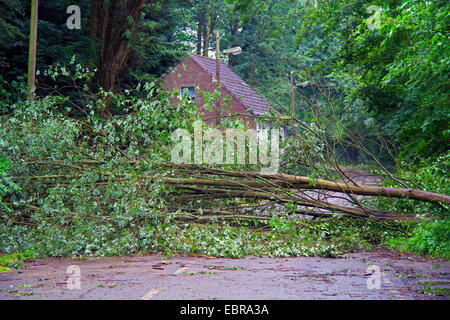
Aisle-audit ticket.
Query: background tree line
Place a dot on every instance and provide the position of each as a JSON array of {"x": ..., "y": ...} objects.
[
  {"x": 85, "y": 160},
  {"x": 389, "y": 81}
]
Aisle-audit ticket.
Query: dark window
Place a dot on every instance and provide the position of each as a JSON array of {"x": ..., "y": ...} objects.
[{"x": 189, "y": 92}]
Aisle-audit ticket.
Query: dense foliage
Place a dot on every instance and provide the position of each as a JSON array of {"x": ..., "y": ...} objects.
[
  {"x": 431, "y": 235},
  {"x": 398, "y": 66},
  {"x": 83, "y": 191},
  {"x": 157, "y": 42},
  {"x": 95, "y": 211},
  {"x": 368, "y": 82},
  {"x": 6, "y": 185}
]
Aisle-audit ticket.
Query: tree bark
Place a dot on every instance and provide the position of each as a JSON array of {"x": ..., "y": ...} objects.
[
  {"x": 234, "y": 31},
  {"x": 208, "y": 32},
  {"x": 274, "y": 182},
  {"x": 258, "y": 180},
  {"x": 200, "y": 30},
  {"x": 110, "y": 24}
]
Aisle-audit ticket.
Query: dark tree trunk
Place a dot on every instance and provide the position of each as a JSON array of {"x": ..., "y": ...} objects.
[
  {"x": 109, "y": 24},
  {"x": 234, "y": 31},
  {"x": 200, "y": 30},
  {"x": 207, "y": 31},
  {"x": 205, "y": 37}
]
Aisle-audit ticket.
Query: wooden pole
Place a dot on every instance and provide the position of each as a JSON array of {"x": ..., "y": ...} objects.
[
  {"x": 218, "y": 56},
  {"x": 293, "y": 106},
  {"x": 208, "y": 31},
  {"x": 218, "y": 108},
  {"x": 32, "y": 50}
]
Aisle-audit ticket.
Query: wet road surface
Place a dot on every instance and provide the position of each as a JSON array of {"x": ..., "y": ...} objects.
[{"x": 381, "y": 274}]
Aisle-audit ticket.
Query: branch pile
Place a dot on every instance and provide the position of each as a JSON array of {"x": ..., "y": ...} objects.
[
  {"x": 194, "y": 191},
  {"x": 312, "y": 197}
]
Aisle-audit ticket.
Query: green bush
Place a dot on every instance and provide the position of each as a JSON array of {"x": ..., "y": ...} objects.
[
  {"x": 80, "y": 177},
  {"x": 428, "y": 176},
  {"x": 431, "y": 235},
  {"x": 431, "y": 238},
  {"x": 6, "y": 185},
  {"x": 11, "y": 92}
]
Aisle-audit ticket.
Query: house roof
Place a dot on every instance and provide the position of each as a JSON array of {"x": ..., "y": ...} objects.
[{"x": 235, "y": 85}]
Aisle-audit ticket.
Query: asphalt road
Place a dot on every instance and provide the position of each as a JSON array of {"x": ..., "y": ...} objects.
[{"x": 381, "y": 274}]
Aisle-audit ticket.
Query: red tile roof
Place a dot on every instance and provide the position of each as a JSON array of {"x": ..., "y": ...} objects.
[{"x": 235, "y": 85}]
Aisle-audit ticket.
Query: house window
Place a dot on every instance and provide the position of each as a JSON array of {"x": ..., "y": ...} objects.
[{"x": 189, "y": 92}]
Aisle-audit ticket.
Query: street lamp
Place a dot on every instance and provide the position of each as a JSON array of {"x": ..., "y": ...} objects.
[{"x": 234, "y": 51}]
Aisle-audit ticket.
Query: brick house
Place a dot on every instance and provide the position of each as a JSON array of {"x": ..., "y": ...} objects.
[{"x": 198, "y": 73}]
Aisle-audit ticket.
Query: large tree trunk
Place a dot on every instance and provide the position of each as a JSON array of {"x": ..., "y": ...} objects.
[
  {"x": 109, "y": 24},
  {"x": 269, "y": 182},
  {"x": 259, "y": 180},
  {"x": 200, "y": 30},
  {"x": 208, "y": 31},
  {"x": 234, "y": 31},
  {"x": 317, "y": 198}
]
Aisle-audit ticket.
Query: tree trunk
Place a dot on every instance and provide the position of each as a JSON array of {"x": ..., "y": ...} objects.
[
  {"x": 208, "y": 32},
  {"x": 294, "y": 130},
  {"x": 279, "y": 188},
  {"x": 200, "y": 31},
  {"x": 275, "y": 182},
  {"x": 111, "y": 24},
  {"x": 234, "y": 31},
  {"x": 259, "y": 180}
]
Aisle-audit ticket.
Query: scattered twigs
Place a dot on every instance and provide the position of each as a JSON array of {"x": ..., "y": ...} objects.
[
  {"x": 300, "y": 182},
  {"x": 192, "y": 183}
]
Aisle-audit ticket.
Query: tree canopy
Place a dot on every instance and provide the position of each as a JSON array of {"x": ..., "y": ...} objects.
[{"x": 378, "y": 64}]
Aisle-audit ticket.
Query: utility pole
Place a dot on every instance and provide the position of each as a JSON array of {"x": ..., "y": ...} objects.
[
  {"x": 208, "y": 32},
  {"x": 32, "y": 50},
  {"x": 218, "y": 56},
  {"x": 218, "y": 109},
  {"x": 293, "y": 106}
]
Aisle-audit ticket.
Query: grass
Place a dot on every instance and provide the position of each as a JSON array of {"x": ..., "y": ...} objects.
[
  {"x": 8, "y": 261},
  {"x": 429, "y": 289},
  {"x": 408, "y": 276}
]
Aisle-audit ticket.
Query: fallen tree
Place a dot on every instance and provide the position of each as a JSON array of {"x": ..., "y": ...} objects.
[
  {"x": 89, "y": 185},
  {"x": 260, "y": 180},
  {"x": 313, "y": 197}
]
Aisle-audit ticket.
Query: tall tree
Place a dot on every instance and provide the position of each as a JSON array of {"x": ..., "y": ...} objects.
[
  {"x": 398, "y": 66},
  {"x": 115, "y": 23}
]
